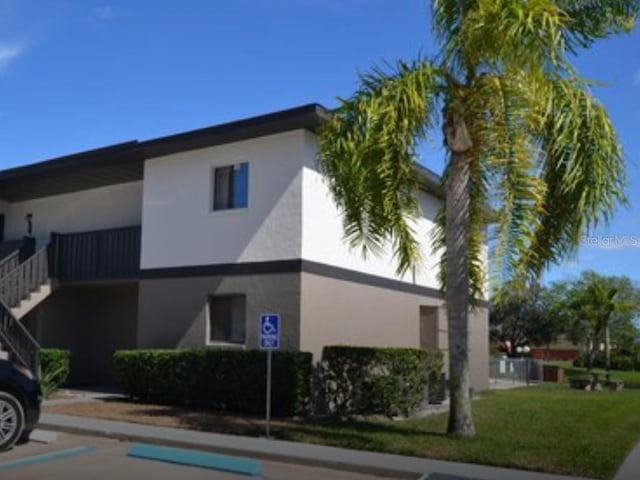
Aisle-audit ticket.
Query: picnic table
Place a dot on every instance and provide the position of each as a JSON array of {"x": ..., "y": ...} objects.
[{"x": 595, "y": 381}]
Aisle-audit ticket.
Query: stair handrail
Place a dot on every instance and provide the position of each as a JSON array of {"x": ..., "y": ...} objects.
[
  {"x": 25, "y": 278},
  {"x": 23, "y": 346},
  {"x": 9, "y": 263}
]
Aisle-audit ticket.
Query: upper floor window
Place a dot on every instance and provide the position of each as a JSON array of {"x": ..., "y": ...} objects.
[{"x": 231, "y": 187}]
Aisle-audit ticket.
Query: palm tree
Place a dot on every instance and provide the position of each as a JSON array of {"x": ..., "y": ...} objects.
[
  {"x": 594, "y": 305},
  {"x": 527, "y": 146}
]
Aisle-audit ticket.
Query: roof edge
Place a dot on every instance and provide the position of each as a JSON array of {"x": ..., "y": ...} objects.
[
  {"x": 430, "y": 181},
  {"x": 96, "y": 155},
  {"x": 307, "y": 117}
]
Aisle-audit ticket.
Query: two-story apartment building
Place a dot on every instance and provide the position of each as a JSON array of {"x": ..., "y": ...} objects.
[{"x": 184, "y": 240}]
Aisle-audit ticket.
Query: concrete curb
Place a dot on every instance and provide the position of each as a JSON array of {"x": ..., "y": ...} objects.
[
  {"x": 257, "y": 454},
  {"x": 380, "y": 464},
  {"x": 43, "y": 436},
  {"x": 630, "y": 468}
]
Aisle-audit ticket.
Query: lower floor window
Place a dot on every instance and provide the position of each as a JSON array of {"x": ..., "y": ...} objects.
[{"x": 227, "y": 319}]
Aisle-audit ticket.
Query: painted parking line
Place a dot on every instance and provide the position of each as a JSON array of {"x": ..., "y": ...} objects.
[
  {"x": 196, "y": 458},
  {"x": 45, "y": 457}
]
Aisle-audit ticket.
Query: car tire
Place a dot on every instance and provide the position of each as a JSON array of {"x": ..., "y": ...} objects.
[
  {"x": 11, "y": 420},
  {"x": 24, "y": 438}
]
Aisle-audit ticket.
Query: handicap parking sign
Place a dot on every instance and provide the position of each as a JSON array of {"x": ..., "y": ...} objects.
[{"x": 269, "y": 331}]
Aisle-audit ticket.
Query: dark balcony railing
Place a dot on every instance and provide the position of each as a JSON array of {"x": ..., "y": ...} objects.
[
  {"x": 96, "y": 255},
  {"x": 9, "y": 263}
]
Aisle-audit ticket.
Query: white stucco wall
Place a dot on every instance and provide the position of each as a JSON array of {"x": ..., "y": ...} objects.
[
  {"x": 179, "y": 228},
  {"x": 98, "y": 208},
  {"x": 323, "y": 238}
]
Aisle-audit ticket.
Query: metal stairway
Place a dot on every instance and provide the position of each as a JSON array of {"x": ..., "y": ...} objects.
[
  {"x": 22, "y": 287},
  {"x": 28, "y": 284}
]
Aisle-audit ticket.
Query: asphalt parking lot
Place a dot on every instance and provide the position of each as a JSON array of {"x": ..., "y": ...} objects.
[{"x": 76, "y": 456}]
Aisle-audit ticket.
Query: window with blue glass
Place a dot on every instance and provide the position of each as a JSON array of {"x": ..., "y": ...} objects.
[{"x": 231, "y": 187}]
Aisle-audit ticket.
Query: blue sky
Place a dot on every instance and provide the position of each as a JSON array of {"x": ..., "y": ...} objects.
[{"x": 81, "y": 74}]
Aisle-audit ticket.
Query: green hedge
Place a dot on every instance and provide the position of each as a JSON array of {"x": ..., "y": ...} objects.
[
  {"x": 230, "y": 380},
  {"x": 624, "y": 361},
  {"x": 387, "y": 381},
  {"x": 54, "y": 364}
]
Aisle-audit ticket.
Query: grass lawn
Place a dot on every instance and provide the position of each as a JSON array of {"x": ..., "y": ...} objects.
[{"x": 548, "y": 428}]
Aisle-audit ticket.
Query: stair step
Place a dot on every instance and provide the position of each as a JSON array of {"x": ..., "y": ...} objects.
[{"x": 32, "y": 300}]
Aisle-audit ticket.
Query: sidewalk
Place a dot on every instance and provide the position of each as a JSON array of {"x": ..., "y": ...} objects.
[
  {"x": 331, "y": 457},
  {"x": 82, "y": 396},
  {"x": 630, "y": 469}
]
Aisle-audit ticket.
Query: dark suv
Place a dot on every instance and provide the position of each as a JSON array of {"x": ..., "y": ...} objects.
[{"x": 19, "y": 403}]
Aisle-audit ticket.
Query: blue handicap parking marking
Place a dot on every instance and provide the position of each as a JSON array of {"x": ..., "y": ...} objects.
[
  {"x": 196, "y": 458},
  {"x": 45, "y": 457}
]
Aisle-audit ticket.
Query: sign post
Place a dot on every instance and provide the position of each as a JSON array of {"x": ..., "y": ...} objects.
[{"x": 269, "y": 341}]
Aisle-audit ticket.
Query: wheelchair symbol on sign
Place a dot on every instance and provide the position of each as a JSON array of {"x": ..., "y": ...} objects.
[{"x": 268, "y": 328}]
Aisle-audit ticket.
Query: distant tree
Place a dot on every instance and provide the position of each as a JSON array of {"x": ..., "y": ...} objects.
[
  {"x": 599, "y": 310},
  {"x": 523, "y": 317}
]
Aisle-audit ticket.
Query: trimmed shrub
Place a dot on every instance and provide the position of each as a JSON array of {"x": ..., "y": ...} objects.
[
  {"x": 228, "y": 380},
  {"x": 385, "y": 381},
  {"x": 623, "y": 362},
  {"x": 54, "y": 364},
  {"x": 574, "y": 371}
]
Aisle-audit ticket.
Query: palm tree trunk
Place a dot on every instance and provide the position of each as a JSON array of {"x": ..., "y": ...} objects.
[{"x": 457, "y": 292}]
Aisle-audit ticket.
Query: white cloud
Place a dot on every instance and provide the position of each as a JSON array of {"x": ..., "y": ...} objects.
[
  {"x": 636, "y": 78},
  {"x": 104, "y": 13},
  {"x": 8, "y": 53}
]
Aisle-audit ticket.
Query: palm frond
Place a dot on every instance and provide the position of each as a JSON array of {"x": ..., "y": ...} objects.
[
  {"x": 591, "y": 20},
  {"x": 583, "y": 169},
  {"x": 368, "y": 153},
  {"x": 447, "y": 19},
  {"x": 505, "y": 113},
  {"x": 498, "y": 33}
]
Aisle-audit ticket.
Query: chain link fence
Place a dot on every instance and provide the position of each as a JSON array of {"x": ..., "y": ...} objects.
[{"x": 514, "y": 371}]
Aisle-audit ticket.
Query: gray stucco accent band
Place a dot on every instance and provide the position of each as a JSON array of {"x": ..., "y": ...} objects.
[
  {"x": 289, "y": 266},
  {"x": 293, "y": 266}
]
